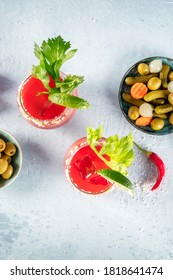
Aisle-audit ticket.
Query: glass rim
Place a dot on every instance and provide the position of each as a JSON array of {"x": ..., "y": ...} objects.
[
  {"x": 71, "y": 151},
  {"x": 65, "y": 114}
]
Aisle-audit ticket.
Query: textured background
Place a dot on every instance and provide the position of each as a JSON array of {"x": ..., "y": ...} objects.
[{"x": 41, "y": 215}]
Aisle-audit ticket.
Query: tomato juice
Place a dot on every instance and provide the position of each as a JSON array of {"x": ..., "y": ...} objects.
[
  {"x": 81, "y": 166},
  {"x": 37, "y": 109}
]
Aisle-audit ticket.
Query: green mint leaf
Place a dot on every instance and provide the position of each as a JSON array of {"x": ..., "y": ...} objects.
[
  {"x": 116, "y": 177},
  {"x": 93, "y": 135},
  {"x": 67, "y": 100}
]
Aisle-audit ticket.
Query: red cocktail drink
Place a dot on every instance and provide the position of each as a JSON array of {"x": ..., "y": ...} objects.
[
  {"x": 37, "y": 109},
  {"x": 81, "y": 166}
]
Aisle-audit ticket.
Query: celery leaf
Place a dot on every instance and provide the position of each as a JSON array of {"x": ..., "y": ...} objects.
[
  {"x": 118, "y": 150},
  {"x": 93, "y": 135},
  {"x": 52, "y": 54}
]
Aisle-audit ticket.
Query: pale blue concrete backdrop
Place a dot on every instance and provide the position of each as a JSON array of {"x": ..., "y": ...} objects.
[{"x": 41, "y": 215}]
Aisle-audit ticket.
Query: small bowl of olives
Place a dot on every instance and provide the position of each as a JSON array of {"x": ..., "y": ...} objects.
[
  {"x": 10, "y": 158},
  {"x": 146, "y": 95}
]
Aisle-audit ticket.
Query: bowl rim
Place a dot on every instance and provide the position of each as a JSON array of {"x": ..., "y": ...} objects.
[
  {"x": 154, "y": 133},
  {"x": 21, "y": 158}
]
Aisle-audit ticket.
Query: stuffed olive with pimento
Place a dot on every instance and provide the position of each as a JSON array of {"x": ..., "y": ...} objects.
[{"x": 7, "y": 151}]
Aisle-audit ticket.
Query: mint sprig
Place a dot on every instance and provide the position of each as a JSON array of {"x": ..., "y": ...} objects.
[{"x": 52, "y": 54}]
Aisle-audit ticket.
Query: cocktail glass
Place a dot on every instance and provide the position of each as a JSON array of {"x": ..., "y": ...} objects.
[
  {"x": 37, "y": 109},
  {"x": 81, "y": 166}
]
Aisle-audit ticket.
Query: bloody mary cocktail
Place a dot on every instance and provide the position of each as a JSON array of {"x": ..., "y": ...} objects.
[
  {"x": 81, "y": 166},
  {"x": 37, "y": 109}
]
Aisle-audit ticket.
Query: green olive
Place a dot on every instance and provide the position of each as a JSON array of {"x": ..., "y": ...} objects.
[
  {"x": 170, "y": 98},
  {"x": 2, "y": 145},
  {"x": 8, "y": 158},
  {"x": 3, "y": 165},
  {"x": 154, "y": 83},
  {"x": 157, "y": 124},
  {"x": 143, "y": 69},
  {"x": 171, "y": 118},
  {"x": 8, "y": 173},
  {"x": 129, "y": 81},
  {"x": 10, "y": 149},
  {"x": 170, "y": 76},
  {"x": 133, "y": 112}
]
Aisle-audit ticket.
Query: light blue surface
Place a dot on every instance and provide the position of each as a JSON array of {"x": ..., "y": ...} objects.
[{"x": 41, "y": 215}]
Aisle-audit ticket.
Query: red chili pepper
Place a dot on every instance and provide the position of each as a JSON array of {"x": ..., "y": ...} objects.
[{"x": 158, "y": 163}]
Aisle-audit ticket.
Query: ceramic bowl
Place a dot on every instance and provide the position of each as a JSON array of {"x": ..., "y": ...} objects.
[
  {"x": 16, "y": 161},
  {"x": 168, "y": 128}
]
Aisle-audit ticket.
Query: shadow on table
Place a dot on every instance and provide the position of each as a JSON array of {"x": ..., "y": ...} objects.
[
  {"x": 5, "y": 85},
  {"x": 37, "y": 163},
  {"x": 36, "y": 154}
]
